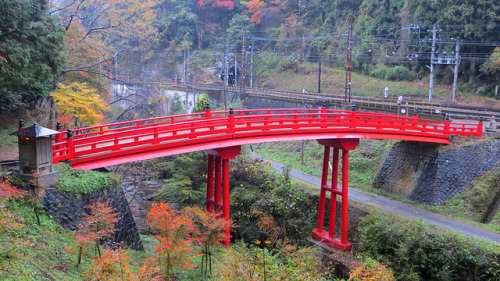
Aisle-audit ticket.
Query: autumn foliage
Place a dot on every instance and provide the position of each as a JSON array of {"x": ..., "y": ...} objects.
[
  {"x": 116, "y": 265},
  {"x": 216, "y": 4},
  {"x": 9, "y": 221},
  {"x": 175, "y": 234},
  {"x": 79, "y": 104},
  {"x": 371, "y": 271},
  {"x": 178, "y": 232},
  {"x": 95, "y": 226}
]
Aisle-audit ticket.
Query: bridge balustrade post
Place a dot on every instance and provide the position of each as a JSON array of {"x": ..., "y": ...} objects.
[
  {"x": 447, "y": 127},
  {"x": 71, "y": 145},
  {"x": 231, "y": 121},
  {"x": 208, "y": 113},
  {"x": 480, "y": 127},
  {"x": 353, "y": 119},
  {"x": 323, "y": 117},
  {"x": 59, "y": 137}
]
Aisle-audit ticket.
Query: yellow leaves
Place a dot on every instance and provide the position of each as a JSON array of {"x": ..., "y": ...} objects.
[
  {"x": 82, "y": 103},
  {"x": 371, "y": 271}
]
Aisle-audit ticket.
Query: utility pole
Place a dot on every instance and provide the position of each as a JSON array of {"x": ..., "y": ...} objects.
[
  {"x": 431, "y": 78},
  {"x": 251, "y": 67},
  {"x": 243, "y": 63},
  {"x": 235, "y": 82},
  {"x": 455, "y": 73},
  {"x": 303, "y": 47},
  {"x": 188, "y": 73},
  {"x": 184, "y": 68},
  {"x": 226, "y": 74},
  {"x": 319, "y": 69},
  {"x": 348, "y": 66},
  {"x": 116, "y": 67}
]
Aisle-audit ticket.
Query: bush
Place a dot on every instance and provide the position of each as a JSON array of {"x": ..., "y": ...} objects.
[
  {"x": 82, "y": 182},
  {"x": 398, "y": 73},
  {"x": 418, "y": 252}
]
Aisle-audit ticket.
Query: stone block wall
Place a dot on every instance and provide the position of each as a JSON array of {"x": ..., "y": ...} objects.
[
  {"x": 67, "y": 209},
  {"x": 430, "y": 175}
]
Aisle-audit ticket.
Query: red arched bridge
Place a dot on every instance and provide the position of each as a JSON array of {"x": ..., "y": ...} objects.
[{"x": 222, "y": 133}]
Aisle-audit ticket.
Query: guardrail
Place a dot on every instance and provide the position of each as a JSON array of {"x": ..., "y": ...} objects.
[{"x": 125, "y": 138}]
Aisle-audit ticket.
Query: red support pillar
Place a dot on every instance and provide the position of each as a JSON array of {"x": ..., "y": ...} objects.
[
  {"x": 324, "y": 187},
  {"x": 217, "y": 183},
  {"x": 221, "y": 156},
  {"x": 345, "y": 187},
  {"x": 334, "y": 192},
  {"x": 328, "y": 238},
  {"x": 225, "y": 199},
  {"x": 210, "y": 184}
]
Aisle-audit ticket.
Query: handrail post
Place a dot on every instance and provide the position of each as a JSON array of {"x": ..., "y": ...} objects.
[
  {"x": 208, "y": 113},
  {"x": 231, "y": 121},
  {"x": 480, "y": 127},
  {"x": 323, "y": 116},
  {"x": 447, "y": 125},
  {"x": 353, "y": 119},
  {"x": 71, "y": 145}
]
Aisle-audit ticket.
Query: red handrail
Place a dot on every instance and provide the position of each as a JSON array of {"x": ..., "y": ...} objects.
[{"x": 126, "y": 138}]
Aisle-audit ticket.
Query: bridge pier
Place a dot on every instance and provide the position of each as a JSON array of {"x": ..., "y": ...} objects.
[
  {"x": 218, "y": 162},
  {"x": 328, "y": 237}
]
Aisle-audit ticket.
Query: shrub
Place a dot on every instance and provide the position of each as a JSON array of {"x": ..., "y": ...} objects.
[
  {"x": 82, "y": 182},
  {"x": 398, "y": 73},
  {"x": 418, "y": 252}
]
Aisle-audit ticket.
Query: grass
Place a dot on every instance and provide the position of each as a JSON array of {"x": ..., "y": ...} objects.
[
  {"x": 39, "y": 250},
  {"x": 299, "y": 76},
  {"x": 278, "y": 72}
]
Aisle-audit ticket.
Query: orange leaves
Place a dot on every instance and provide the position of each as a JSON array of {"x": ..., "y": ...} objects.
[
  {"x": 174, "y": 232},
  {"x": 255, "y": 7},
  {"x": 178, "y": 232},
  {"x": 115, "y": 265},
  {"x": 9, "y": 221},
  {"x": 210, "y": 229},
  {"x": 7, "y": 191},
  {"x": 79, "y": 103},
  {"x": 98, "y": 224},
  {"x": 227, "y": 4},
  {"x": 371, "y": 271}
]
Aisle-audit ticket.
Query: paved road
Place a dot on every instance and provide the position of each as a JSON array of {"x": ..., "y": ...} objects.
[{"x": 397, "y": 208}]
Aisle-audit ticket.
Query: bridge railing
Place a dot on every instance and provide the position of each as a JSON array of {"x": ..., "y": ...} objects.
[{"x": 191, "y": 129}]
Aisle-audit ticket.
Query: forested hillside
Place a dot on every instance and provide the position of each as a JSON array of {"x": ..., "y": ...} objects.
[{"x": 78, "y": 43}]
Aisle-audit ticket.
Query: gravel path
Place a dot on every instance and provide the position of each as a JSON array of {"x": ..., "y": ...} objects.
[{"x": 397, "y": 208}]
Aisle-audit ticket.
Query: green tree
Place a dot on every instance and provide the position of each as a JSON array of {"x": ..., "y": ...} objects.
[
  {"x": 31, "y": 57},
  {"x": 236, "y": 26},
  {"x": 201, "y": 103},
  {"x": 176, "y": 22}
]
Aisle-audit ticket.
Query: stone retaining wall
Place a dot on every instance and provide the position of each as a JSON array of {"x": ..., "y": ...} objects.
[
  {"x": 429, "y": 175},
  {"x": 67, "y": 209}
]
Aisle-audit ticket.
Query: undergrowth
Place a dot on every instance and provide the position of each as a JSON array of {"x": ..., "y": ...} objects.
[{"x": 83, "y": 182}]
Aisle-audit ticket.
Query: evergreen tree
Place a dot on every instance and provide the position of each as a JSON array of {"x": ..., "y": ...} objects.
[{"x": 31, "y": 57}]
